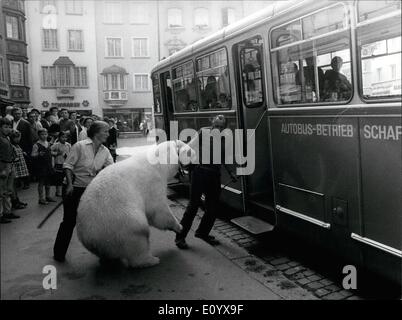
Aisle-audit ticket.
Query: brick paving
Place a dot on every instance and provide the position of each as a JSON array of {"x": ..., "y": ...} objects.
[
  {"x": 295, "y": 271},
  {"x": 302, "y": 276}
]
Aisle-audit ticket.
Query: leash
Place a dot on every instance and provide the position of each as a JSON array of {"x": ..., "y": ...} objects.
[{"x": 49, "y": 214}]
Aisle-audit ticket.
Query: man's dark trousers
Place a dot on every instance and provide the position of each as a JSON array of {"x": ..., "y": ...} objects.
[
  {"x": 207, "y": 182},
  {"x": 70, "y": 206}
]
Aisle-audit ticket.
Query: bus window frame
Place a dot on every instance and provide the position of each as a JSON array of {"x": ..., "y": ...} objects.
[
  {"x": 164, "y": 92},
  {"x": 239, "y": 69},
  {"x": 271, "y": 50},
  {"x": 153, "y": 93},
  {"x": 359, "y": 59},
  {"x": 230, "y": 82},
  {"x": 196, "y": 87}
]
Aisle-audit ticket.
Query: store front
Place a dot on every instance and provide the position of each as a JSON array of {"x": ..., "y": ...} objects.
[{"x": 128, "y": 119}]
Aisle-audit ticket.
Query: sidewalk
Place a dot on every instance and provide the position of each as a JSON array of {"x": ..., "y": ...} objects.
[{"x": 202, "y": 272}]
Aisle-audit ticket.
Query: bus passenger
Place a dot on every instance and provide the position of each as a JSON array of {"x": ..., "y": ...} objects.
[
  {"x": 309, "y": 79},
  {"x": 223, "y": 82},
  {"x": 337, "y": 87},
  {"x": 192, "y": 93},
  {"x": 183, "y": 99},
  {"x": 211, "y": 95}
]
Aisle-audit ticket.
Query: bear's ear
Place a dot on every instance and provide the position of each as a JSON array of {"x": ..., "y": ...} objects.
[{"x": 179, "y": 144}]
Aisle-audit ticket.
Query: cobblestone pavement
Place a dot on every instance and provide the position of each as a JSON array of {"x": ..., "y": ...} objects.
[{"x": 274, "y": 263}]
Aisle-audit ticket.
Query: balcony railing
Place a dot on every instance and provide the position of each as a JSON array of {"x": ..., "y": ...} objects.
[{"x": 116, "y": 97}]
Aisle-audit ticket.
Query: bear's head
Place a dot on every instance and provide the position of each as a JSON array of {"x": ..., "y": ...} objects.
[{"x": 171, "y": 156}]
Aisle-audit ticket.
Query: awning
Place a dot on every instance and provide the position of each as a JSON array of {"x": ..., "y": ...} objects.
[
  {"x": 63, "y": 61},
  {"x": 6, "y": 102},
  {"x": 115, "y": 70}
]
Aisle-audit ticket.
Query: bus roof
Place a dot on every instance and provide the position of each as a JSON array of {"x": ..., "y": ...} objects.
[{"x": 242, "y": 25}]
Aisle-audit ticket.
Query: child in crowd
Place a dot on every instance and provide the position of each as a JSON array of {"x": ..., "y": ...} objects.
[
  {"x": 42, "y": 156},
  {"x": 7, "y": 157},
  {"x": 60, "y": 151},
  {"x": 20, "y": 168}
]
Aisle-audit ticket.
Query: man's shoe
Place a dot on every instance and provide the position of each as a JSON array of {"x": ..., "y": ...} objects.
[
  {"x": 49, "y": 199},
  {"x": 43, "y": 202},
  {"x": 10, "y": 216},
  {"x": 207, "y": 238},
  {"x": 181, "y": 244},
  {"x": 4, "y": 220}
]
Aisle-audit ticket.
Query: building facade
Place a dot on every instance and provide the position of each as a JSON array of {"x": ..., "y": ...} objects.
[
  {"x": 14, "y": 79},
  {"x": 4, "y": 97},
  {"x": 127, "y": 48},
  {"x": 62, "y": 46},
  {"x": 132, "y": 36},
  {"x": 96, "y": 56}
]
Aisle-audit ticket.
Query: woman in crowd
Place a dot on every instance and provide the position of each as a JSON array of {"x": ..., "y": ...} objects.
[
  {"x": 86, "y": 159},
  {"x": 85, "y": 126},
  {"x": 42, "y": 156},
  {"x": 20, "y": 169}
]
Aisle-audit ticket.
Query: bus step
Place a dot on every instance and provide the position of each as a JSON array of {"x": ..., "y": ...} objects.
[
  {"x": 265, "y": 204},
  {"x": 253, "y": 225}
]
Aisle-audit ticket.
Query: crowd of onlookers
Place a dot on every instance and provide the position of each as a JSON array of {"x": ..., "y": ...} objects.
[{"x": 33, "y": 147}]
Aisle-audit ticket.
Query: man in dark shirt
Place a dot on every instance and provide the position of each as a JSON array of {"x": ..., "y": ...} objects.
[
  {"x": 337, "y": 87},
  {"x": 205, "y": 179},
  {"x": 111, "y": 141},
  {"x": 24, "y": 128},
  {"x": 45, "y": 121},
  {"x": 26, "y": 142},
  {"x": 75, "y": 127},
  {"x": 67, "y": 125}
]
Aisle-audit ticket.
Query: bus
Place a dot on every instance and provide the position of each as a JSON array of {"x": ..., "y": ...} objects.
[{"x": 320, "y": 83}]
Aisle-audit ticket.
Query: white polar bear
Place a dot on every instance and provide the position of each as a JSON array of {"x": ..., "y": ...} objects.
[{"x": 124, "y": 199}]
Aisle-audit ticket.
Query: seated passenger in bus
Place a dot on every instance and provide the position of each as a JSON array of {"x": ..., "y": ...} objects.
[
  {"x": 223, "y": 82},
  {"x": 192, "y": 93},
  {"x": 309, "y": 79},
  {"x": 223, "y": 102},
  {"x": 201, "y": 90},
  {"x": 182, "y": 100},
  {"x": 337, "y": 87},
  {"x": 211, "y": 95}
]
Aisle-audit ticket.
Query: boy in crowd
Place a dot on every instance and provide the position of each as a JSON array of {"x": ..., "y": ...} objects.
[{"x": 6, "y": 173}]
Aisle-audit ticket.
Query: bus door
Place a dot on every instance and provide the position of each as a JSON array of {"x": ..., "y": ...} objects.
[
  {"x": 167, "y": 100},
  {"x": 159, "y": 122},
  {"x": 252, "y": 113}
]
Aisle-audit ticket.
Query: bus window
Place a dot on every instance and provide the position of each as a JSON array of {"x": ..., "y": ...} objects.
[
  {"x": 379, "y": 46},
  {"x": 157, "y": 93},
  {"x": 372, "y": 9},
  {"x": 250, "y": 61},
  {"x": 184, "y": 88},
  {"x": 213, "y": 81},
  {"x": 311, "y": 59}
]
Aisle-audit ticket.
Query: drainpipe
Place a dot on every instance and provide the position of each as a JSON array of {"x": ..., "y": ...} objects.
[{"x": 158, "y": 34}]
